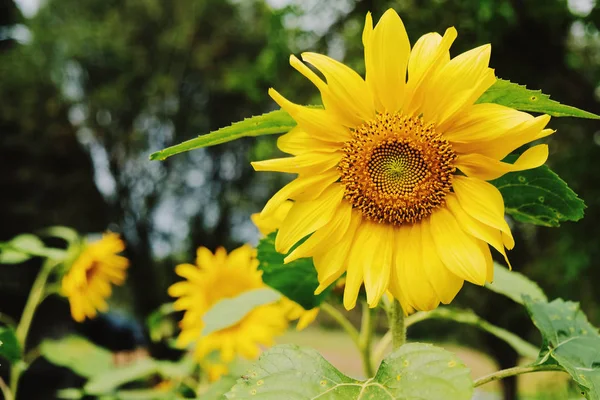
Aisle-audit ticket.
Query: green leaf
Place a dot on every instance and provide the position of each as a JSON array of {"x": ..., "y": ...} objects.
[
  {"x": 514, "y": 285},
  {"x": 230, "y": 311},
  {"x": 266, "y": 124},
  {"x": 160, "y": 324},
  {"x": 570, "y": 341},
  {"x": 69, "y": 235},
  {"x": 296, "y": 280},
  {"x": 516, "y": 96},
  {"x": 78, "y": 354},
  {"x": 522, "y": 347},
  {"x": 10, "y": 349},
  {"x": 22, "y": 247},
  {"x": 415, "y": 371},
  {"x": 108, "y": 381},
  {"x": 538, "y": 196}
]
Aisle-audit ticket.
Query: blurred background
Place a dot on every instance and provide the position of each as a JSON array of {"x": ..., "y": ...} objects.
[{"x": 89, "y": 88}]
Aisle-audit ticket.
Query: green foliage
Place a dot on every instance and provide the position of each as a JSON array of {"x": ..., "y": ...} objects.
[
  {"x": 22, "y": 247},
  {"x": 78, "y": 354},
  {"x": 570, "y": 341},
  {"x": 538, "y": 196},
  {"x": 514, "y": 285},
  {"x": 160, "y": 325},
  {"x": 230, "y": 311},
  {"x": 97, "y": 364},
  {"x": 296, "y": 280},
  {"x": 10, "y": 349},
  {"x": 414, "y": 371},
  {"x": 266, "y": 124},
  {"x": 519, "y": 97}
]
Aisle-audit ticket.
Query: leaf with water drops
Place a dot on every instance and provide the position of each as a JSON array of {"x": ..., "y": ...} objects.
[
  {"x": 538, "y": 196},
  {"x": 415, "y": 371},
  {"x": 570, "y": 341}
]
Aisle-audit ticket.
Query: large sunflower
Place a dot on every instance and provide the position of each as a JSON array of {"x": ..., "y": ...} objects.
[
  {"x": 392, "y": 172},
  {"x": 88, "y": 282},
  {"x": 215, "y": 277}
]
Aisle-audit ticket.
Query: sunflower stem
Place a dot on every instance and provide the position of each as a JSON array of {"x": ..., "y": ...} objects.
[
  {"x": 505, "y": 373},
  {"x": 366, "y": 339},
  {"x": 342, "y": 321},
  {"x": 397, "y": 326},
  {"x": 36, "y": 295}
]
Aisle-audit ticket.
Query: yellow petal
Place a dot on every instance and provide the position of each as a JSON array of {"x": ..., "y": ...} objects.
[
  {"x": 475, "y": 228},
  {"x": 484, "y": 122},
  {"x": 453, "y": 86},
  {"x": 372, "y": 252},
  {"x": 386, "y": 57},
  {"x": 189, "y": 272},
  {"x": 502, "y": 144},
  {"x": 486, "y": 168},
  {"x": 307, "y": 216},
  {"x": 318, "y": 123},
  {"x": 482, "y": 201},
  {"x": 349, "y": 92},
  {"x": 307, "y": 318},
  {"x": 204, "y": 258},
  {"x": 331, "y": 262},
  {"x": 409, "y": 266},
  {"x": 311, "y": 185},
  {"x": 458, "y": 250},
  {"x": 272, "y": 221},
  {"x": 298, "y": 141},
  {"x": 430, "y": 53},
  {"x": 307, "y": 163},
  {"x": 445, "y": 284},
  {"x": 329, "y": 235}
]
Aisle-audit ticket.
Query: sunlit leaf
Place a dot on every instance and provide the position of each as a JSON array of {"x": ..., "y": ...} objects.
[
  {"x": 297, "y": 280},
  {"x": 22, "y": 247},
  {"x": 266, "y": 124},
  {"x": 514, "y": 285},
  {"x": 415, "y": 371},
  {"x": 570, "y": 341},
  {"x": 160, "y": 323},
  {"x": 10, "y": 349},
  {"x": 78, "y": 354},
  {"x": 117, "y": 376},
  {"x": 519, "y": 97},
  {"x": 230, "y": 311},
  {"x": 538, "y": 196}
]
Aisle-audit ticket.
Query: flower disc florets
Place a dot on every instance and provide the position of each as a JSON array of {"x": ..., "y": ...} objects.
[{"x": 396, "y": 169}]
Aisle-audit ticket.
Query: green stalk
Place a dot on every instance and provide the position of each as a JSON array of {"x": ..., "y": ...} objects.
[
  {"x": 366, "y": 339},
  {"x": 505, "y": 373},
  {"x": 397, "y": 326},
  {"x": 36, "y": 295},
  {"x": 342, "y": 321}
]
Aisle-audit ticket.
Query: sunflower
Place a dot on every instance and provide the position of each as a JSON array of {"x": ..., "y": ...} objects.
[
  {"x": 215, "y": 277},
  {"x": 87, "y": 284},
  {"x": 392, "y": 172}
]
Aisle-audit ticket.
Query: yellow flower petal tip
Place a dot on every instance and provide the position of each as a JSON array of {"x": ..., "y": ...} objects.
[
  {"x": 404, "y": 175},
  {"x": 218, "y": 276},
  {"x": 87, "y": 283}
]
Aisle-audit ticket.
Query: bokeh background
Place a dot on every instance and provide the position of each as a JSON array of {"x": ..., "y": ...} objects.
[{"x": 89, "y": 88}]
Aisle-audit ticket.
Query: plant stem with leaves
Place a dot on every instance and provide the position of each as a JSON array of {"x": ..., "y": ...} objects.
[{"x": 36, "y": 296}]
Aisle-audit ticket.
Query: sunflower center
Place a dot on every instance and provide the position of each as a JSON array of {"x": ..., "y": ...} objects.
[{"x": 396, "y": 169}]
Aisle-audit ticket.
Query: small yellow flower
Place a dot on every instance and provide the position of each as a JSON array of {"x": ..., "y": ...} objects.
[
  {"x": 87, "y": 284},
  {"x": 215, "y": 277},
  {"x": 392, "y": 172}
]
